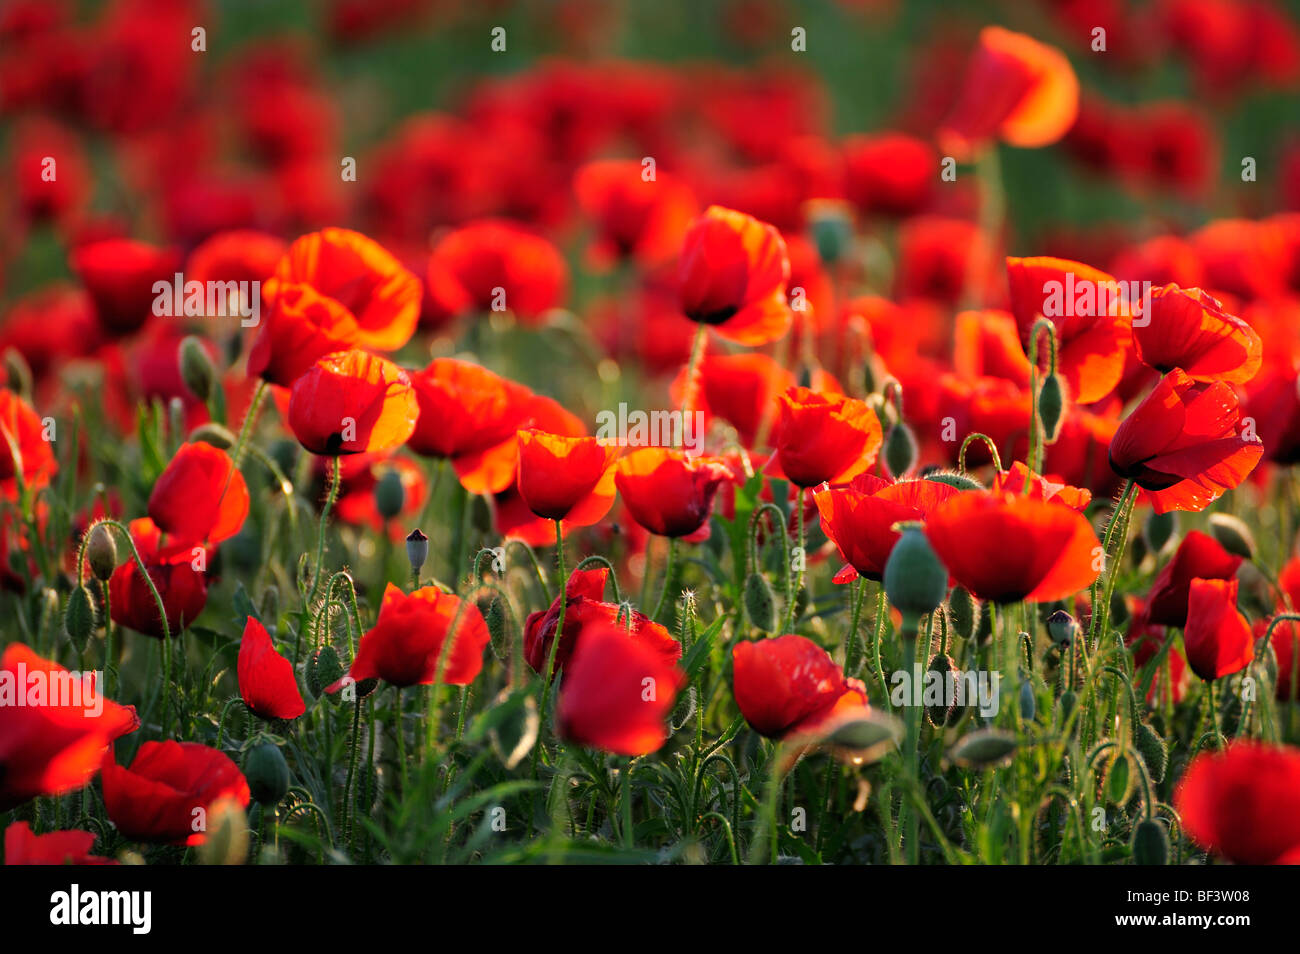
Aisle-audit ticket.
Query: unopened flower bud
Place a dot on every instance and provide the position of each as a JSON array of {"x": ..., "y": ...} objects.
[
  {"x": 101, "y": 552},
  {"x": 79, "y": 618},
  {"x": 1159, "y": 529},
  {"x": 760, "y": 602},
  {"x": 901, "y": 451},
  {"x": 197, "y": 369},
  {"x": 915, "y": 580},
  {"x": 267, "y": 774},
  {"x": 1051, "y": 407},
  {"x": 1233, "y": 535},
  {"x": 963, "y": 612},
  {"x": 1150, "y": 843},
  {"x": 390, "y": 495}
]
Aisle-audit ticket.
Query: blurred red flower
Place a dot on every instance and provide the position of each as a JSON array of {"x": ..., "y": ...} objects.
[
  {"x": 23, "y": 447},
  {"x": 1244, "y": 803},
  {"x": 119, "y": 275},
  {"x": 69, "y": 847},
  {"x": 495, "y": 265},
  {"x": 1198, "y": 556},
  {"x": 199, "y": 499},
  {"x": 635, "y": 217}
]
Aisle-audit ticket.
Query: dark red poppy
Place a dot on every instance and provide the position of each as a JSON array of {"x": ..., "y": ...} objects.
[
  {"x": 404, "y": 645},
  {"x": 669, "y": 492},
  {"x": 789, "y": 686},
  {"x": 732, "y": 276},
  {"x": 825, "y": 437},
  {"x": 470, "y": 415},
  {"x": 942, "y": 259},
  {"x": 566, "y": 478},
  {"x": 617, "y": 693},
  {"x": 741, "y": 389},
  {"x": 333, "y": 290},
  {"x": 1198, "y": 556},
  {"x": 1090, "y": 311},
  {"x": 49, "y": 743},
  {"x": 266, "y": 681},
  {"x": 1244, "y": 803},
  {"x": 1217, "y": 637},
  {"x": 166, "y": 793},
  {"x": 1009, "y": 547},
  {"x": 1016, "y": 89},
  {"x": 494, "y": 265},
  {"x": 635, "y": 217},
  {"x": 199, "y": 499},
  {"x": 859, "y": 519},
  {"x": 50, "y": 325},
  {"x": 1189, "y": 329},
  {"x": 119, "y": 275},
  {"x": 23, "y": 447},
  {"x": 584, "y": 610},
  {"x": 352, "y": 402},
  {"x": 1184, "y": 444},
  {"x": 183, "y": 588},
  {"x": 69, "y": 847}
]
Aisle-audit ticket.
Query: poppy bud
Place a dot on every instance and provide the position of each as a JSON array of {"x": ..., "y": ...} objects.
[
  {"x": 197, "y": 370},
  {"x": 324, "y": 668},
  {"x": 1150, "y": 843},
  {"x": 389, "y": 494},
  {"x": 267, "y": 774},
  {"x": 1062, "y": 627},
  {"x": 214, "y": 434},
  {"x": 417, "y": 549},
  {"x": 1233, "y": 535},
  {"x": 942, "y": 714},
  {"x": 915, "y": 581},
  {"x": 963, "y": 612},
  {"x": 984, "y": 748},
  {"x": 495, "y": 617},
  {"x": 900, "y": 451},
  {"x": 953, "y": 479},
  {"x": 1152, "y": 749},
  {"x": 831, "y": 225},
  {"x": 79, "y": 618},
  {"x": 1028, "y": 701},
  {"x": 227, "y": 834},
  {"x": 760, "y": 602},
  {"x": 1065, "y": 705},
  {"x": 1051, "y": 407},
  {"x": 101, "y": 552},
  {"x": 1159, "y": 529}
]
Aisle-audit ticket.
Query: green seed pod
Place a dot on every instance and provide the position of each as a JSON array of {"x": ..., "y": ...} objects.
[
  {"x": 1051, "y": 407},
  {"x": 1063, "y": 628},
  {"x": 964, "y": 612},
  {"x": 984, "y": 748},
  {"x": 390, "y": 495},
  {"x": 760, "y": 602},
  {"x": 197, "y": 369},
  {"x": 1028, "y": 701},
  {"x": 915, "y": 580},
  {"x": 831, "y": 225},
  {"x": 101, "y": 552},
  {"x": 1150, "y": 843},
  {"x": 79, "y": 618},
  {"x": 1152, "y": 749},
  {"x": 417, "y": 549},
  {"x": 267, "y": 774},
  {"x": 901, "y": 451},
  {"x": 942, "y": 714},
  {"x": 1233, "y": 535},
  {"x": 323, "y": 669},
  {"x": 1065, "y": 705},
  {"x": 1119, "y": 780},
  {"x": 1160, "y": 529},
  {"x": 952, "y": 479}
]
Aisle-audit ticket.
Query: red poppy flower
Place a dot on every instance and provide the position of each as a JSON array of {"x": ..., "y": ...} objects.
[
  {"x": 1198, "y": 556},
  {"x": 859, "y": 519},
  {"x": 669, "y": 492},
  {"x": 1022, "y": 91},
  {"x": 333, "y": 290},
  {"x": 1243, "y": 803},
  {"x": 1217, "y": 638},
  {"x": 584, "y": 611},
  {"x": 165, "y": 794},
  {"x": 789, "y": 685},
  {"x": 200, "y": 498},
  {"x": 890, "y": 174},
  {"x": 403, "y": 646},
  {"x": 939, "y": 256},
  {"x": 1013, "y": 481},
  {"x": 987, "y": 344},
  {"x": 494, "y": 265},
  {"x": 825, "y": 437},
  {"x": 49, "y": 743},
  {"x": 352, "y": 402},
  {"x": 1189, "y": 329},
  {"x": 23, "y": 447},
  {"x": 1089, "y": 310},
  {"x": 635, "y": 217},
  {"x": 70, "y": 847},
  {"x": 617, "y": 693},
  {"x": 566, "y": 478},
  {"x": 184, "y": 589},
  {"x": 1008, "y": 547},
  {"x": 470, "y": 415},
  {"x": 266, "y": 680},
  {"x": 1183, "y": 445},
  {"x": 119, "y": 275},
  {"x": 237, "y": 255},
  {"x": 741, "y": 389},
  {"x": 732, "y": 275}
]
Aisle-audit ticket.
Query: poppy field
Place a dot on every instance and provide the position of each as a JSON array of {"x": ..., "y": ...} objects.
[{"x": 845, "y": 432}]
